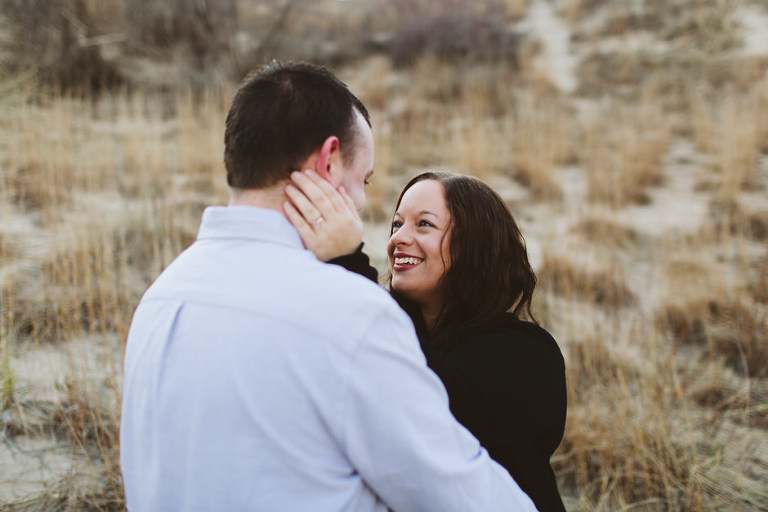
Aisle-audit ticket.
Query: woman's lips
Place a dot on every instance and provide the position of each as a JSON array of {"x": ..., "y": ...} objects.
[{"x": 403, "y": 262}]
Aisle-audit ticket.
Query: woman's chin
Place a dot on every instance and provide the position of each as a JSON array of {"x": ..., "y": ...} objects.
[{"x": 406, "y": 292}]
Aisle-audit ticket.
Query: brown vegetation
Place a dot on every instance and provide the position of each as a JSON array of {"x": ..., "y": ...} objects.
[{"x": 662, "y": 314}]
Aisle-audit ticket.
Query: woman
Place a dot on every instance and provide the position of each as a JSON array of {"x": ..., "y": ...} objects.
[{"x": 459, "y": 267}]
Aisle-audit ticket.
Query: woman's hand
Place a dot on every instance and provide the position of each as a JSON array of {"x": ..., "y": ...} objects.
[{"x": 325, "y": 218}]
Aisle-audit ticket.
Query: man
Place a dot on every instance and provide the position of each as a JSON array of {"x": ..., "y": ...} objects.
[{"x": 258, "y": 378}]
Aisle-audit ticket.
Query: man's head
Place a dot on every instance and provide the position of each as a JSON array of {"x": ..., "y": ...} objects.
[{"x": 285, "y": 117}]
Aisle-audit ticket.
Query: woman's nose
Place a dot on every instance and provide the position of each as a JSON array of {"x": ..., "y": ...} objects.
[{"x": 401, "y": 236}]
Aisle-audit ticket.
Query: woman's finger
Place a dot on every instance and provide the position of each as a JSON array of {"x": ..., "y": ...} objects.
[
  {"x": 327, "y": 189},
  {"x": 303, "y": 204},
  {"x": 305, "y": 230},
  {"x": 328, "y": 239},
  {"x": 314, "y": 193},
  {"x": 328, "y": 223}
]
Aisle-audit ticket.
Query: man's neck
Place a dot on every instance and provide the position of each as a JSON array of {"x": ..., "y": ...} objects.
[{"x": 271, "y": 198}]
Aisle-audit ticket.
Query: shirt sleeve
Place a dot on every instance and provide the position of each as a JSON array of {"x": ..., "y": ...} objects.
[
  {"x": 400, "y": 435},
  {"x": 359, "y": 263}
]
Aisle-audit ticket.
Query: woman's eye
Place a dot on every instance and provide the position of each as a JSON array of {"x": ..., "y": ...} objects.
[
  {"x": 425, "y": 223},
  {"x": 396, "y": 224}
]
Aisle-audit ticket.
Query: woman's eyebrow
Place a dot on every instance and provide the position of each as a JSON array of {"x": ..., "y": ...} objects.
[{"x": 422, "y": 212}]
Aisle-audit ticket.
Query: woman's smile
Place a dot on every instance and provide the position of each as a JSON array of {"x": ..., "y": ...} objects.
[{"x": 404, "y": 262}]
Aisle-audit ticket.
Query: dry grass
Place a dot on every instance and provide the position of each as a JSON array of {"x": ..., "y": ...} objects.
[
  {"x": 567, "y": 280},
  {"x": 543, "y": 141},
  {"x": 101, "y": 197},
  {"x": 599, "y": 230},
  {"x": 730, "y": 126},
  {"x": 664, "y": 334},
  {"x": 622, "y": 448},
  {"x": 623, "y": 151},
  {"x": 733, "y": 330}
]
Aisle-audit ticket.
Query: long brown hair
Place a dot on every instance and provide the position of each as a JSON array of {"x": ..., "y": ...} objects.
[{"x": 489, "y": 272}]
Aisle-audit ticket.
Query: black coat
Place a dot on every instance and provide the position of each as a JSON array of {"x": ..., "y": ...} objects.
[{"x": 506, "y": 383}]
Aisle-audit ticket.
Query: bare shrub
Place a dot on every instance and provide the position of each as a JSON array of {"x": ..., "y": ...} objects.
[
  {"x": 205, "y": 27},
  {"x": 59, "y": 41},
  {"x": 194, "y": 22},
  {"x": 77, "y": 45},
  {"x": 454, "y": 37}
]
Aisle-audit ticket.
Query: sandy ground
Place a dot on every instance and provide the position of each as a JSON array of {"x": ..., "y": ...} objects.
[
  {"x": 31, "y": 463},
  {"x": 557, "y": 59},
  {"x": 754, "y": 22}
]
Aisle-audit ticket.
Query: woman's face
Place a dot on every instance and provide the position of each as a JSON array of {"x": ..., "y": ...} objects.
[{"x": 418, "y": 249}]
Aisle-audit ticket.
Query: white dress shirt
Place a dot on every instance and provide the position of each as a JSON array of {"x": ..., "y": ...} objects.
[{"x": 260, "y": 379}]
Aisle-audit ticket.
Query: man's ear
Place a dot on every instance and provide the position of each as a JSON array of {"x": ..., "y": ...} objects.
[{"x": 329, "y": 152}]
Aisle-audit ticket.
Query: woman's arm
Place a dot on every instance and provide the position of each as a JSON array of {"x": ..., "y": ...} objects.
[{"x": 358, "y": 263}]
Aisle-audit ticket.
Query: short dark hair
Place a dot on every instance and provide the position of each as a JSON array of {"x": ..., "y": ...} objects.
[
  {"x": 489, "y": 273},
  {"x": 279, "y": 116}
]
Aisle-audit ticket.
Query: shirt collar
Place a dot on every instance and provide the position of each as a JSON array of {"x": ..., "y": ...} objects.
[{"x": 248, "y": 222}]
